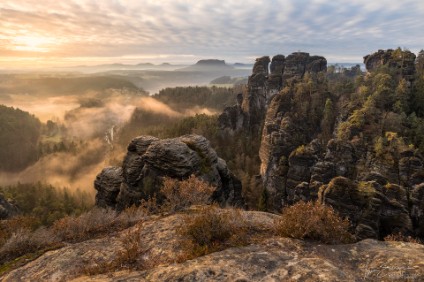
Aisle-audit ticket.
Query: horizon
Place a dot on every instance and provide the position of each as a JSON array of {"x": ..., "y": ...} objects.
[{"x": 48, "y": 34}]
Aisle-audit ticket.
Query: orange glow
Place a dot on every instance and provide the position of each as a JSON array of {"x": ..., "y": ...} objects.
[{"x": 32, "y": 43}]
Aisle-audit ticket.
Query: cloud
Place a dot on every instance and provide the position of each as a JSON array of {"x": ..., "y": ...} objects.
[{"x": 232, "y": 29}]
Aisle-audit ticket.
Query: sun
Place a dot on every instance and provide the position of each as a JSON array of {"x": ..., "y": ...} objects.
[{"x": 32, "y": 43}]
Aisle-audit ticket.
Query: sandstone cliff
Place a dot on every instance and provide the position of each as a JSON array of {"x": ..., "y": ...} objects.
[
  {"x": 267, "y": 79},
  {"x": 362, "y": 166}
]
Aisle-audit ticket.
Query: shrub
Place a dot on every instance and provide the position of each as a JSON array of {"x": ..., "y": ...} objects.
[
  {"x": 213, "y": 229},
  {"x": 402, "y": 238},
  {"x": 129, "y": 257},
  {"x": 311, "y": 220},
  {"x": 182, "y": 194},
  {"x": 14, "y": 224},
  {"x": 23, "y": 241},
  {"x": 95, "y": 222}
]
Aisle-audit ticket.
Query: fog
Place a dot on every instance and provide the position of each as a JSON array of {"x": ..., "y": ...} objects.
[{"x": 87, "y": 119}]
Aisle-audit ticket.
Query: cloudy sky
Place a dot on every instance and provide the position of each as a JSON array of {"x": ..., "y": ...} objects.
[{"x": 69, "y": 32}]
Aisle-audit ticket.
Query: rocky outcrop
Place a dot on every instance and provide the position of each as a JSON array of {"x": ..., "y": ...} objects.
[
  {"x": 378, "y": 186},
  {"x": 299, "y": 63},
  {"x": 290, "y": 123},
  {"x": 7, "y": 209},
  {"x": 400, "y": 60},
  {"x": 273, "y": 258},
  {"x": 267, "y": 79},
  {"x": 374, "y": 210},
  {"x": 419, "y": 62},
  {"x": 150, "y": 159},
  {"x": 108, "y": 184}
]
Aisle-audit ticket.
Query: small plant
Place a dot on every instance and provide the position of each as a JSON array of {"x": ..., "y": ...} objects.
[
  {"x": 311, "y": 220},
  {"x": 399, "y": 237},
  {"x": 182, "y": 194},
  {"x": 85, "y": 226},
  {"x": 213, "y": 229},
  {"x": 95, "y": 222},
  {"x": 129, "y": 257},
  {"x": 24, "y": 241},
  {"x": 14, "y": 224}
]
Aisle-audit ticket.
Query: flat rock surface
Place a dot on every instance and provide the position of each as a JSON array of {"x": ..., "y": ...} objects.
[{"x": 270, "y": 259}]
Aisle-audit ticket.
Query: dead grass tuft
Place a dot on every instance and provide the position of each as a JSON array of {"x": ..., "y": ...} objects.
[
  {"x": 214, "y": 229},
  {"x": 399, "y": 237},
  {"x": 180, "y": 195},
  {"x": 311, "y": 220}
]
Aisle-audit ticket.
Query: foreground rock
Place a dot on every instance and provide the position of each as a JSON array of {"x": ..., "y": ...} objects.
[
  {"x": 150, "y": 159},
  {"x": 277, "y": 259}
]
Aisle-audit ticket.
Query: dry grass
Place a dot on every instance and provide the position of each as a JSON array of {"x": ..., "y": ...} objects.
[
  {"x": 10, "y": 226},
  {"x": 214, "y": 229},
  {"x": 18, "y": 239},
  {"x": 311, "y": 220},
  {"x": 399, "y": 237},
  {"x": 24, "y": 241},
  {"x": 95, "y": 222},
  {"x": 128, "y": 258},
  {"x": 180, "y": 195}
]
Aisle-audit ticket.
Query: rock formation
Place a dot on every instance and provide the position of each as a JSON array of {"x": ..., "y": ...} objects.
[
  {"x": 401, "y": 61},
  {"x": 379, "y": 190},
  {"x": 7, "y": 209},
  {"x": 149, "y": 159},
  {"x": 267, "y": 79}
]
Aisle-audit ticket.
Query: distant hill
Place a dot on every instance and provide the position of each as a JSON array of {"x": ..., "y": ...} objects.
[{"x": 209, "y": 65}]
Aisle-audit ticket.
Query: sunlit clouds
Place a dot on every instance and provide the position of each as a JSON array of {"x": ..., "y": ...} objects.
[{"x": 182, "y": 31}]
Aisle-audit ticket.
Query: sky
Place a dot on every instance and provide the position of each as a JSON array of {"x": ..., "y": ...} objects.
[{"x": 36, "y": 33}]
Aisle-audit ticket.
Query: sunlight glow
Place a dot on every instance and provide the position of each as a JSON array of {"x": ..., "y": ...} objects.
[{"x": 32, "y": 43}]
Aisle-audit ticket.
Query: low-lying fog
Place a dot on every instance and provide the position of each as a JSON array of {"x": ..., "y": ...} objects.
[{"x": 86, "y": 114}]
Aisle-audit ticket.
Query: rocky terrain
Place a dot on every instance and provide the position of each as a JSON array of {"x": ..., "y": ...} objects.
[
  {"x": 149, "y": 160},
  {"x": 267, "y": 79},
  {"x": 380, "y": 195},
  {"x": 345, "y": 150},
  {"x": 271, "y": 258},
  {"x": 7, "y": 209}
]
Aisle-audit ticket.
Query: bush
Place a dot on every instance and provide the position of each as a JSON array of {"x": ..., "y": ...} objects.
[
  {"x": 14, "y": 224},
  {"x": 17, "y": 237},
  {"x": 129, "y": 257},
  {"x": 311, "y": 220},
  {"x": 182, "y": 194},
  {"x": 399, "y": 237},
  {"x": 95, "y": 222},
  {"x": 24, "y": 241},
  {"x": 214, "y": 229}
]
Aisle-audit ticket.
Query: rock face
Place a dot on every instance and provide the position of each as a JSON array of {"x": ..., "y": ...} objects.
[
  {"x": 274, "y": 258},
  {"x": 381, "y": 192},
  {"x": 7, "y": 209},
  {"x": 402, "y": 61},
  {"x": 149, "y": 159},
  {"x": 267, "y": 79}
]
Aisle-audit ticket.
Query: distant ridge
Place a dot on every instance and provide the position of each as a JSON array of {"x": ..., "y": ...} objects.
[{"x": 208, "y": 65}]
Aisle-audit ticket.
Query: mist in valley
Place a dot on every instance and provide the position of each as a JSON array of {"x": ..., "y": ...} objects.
[{"x": 82, "y": 115}]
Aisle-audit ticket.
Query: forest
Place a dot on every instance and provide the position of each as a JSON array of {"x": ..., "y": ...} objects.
[{"x": 379, "y": 107}]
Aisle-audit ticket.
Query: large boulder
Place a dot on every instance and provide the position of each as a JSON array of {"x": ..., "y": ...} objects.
[
  {"x": 150, "y": 159},
  {"x": 7, "y": 209}
]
